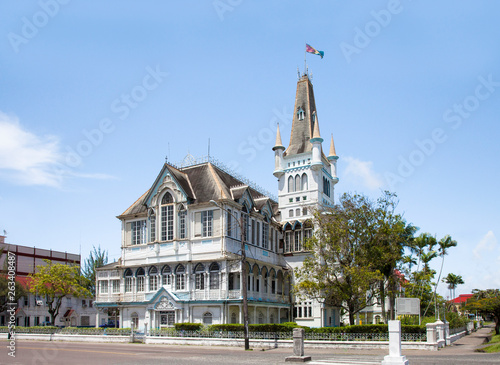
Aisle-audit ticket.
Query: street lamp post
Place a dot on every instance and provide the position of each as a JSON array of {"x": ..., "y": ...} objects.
[{"x": 244, "y": 290}]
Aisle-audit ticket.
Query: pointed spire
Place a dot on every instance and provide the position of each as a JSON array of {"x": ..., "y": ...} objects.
[
  {"x": 316, "y": 137},
  {"x": 332, "y": 148},
  {"x": 332, "y": 157},
  {"x": 303, "y": 120},
  {"x": 278, "y": 143}
]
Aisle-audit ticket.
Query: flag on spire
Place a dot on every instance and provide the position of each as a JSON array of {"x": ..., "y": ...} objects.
[{"x": 310, "y": 49}]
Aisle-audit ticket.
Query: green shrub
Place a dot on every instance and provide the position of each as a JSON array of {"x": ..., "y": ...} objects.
[
  {"x": 229, "y": 327},
  {"x": 188, "y": 326}
]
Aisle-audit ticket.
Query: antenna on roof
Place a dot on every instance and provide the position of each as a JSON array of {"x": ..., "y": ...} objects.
[{"x": 208, "y": 147}]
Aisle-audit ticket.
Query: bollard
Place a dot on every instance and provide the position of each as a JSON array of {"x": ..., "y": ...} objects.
[
  {"x": 395, "y": 356},
  {"x": 132, "y": 339},
  {"x": 298, "y": 347}
]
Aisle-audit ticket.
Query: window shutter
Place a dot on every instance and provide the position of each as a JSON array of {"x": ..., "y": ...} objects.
[
  {"x": 197, "y": 224},
  {"x": 216, "y": 223},
  {"x": 128, "y": 233}
]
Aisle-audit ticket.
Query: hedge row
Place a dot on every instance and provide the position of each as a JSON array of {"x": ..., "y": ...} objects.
[{"x": 288, "y": 327}]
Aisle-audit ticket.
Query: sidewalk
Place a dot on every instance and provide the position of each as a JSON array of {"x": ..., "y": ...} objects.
[
  {"x": 460, "y": 352},
  {"x": 468, "y": 344}
]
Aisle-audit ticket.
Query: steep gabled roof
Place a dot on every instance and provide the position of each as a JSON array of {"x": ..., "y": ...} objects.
[{"x": 200, "y": 183}]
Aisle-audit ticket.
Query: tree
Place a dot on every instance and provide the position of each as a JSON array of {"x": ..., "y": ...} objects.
[
  {"x": 486, "y": 302},
  {"x": 56, "y": 281},
  {"x": 339, "y": 269},
  {"x": 97, "y": 258},
  {"x": 391, "y": 235},
  {"x": 453, "y": 281},
  {"x": 444, "y": 244}
]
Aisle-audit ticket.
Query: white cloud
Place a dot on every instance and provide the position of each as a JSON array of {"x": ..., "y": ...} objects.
[
  {"x": 362, "y": 172},
  {"x": 487, "y": 244},
  {"x": 28, "y": 159}
]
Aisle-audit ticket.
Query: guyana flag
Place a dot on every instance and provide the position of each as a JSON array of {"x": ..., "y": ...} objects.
[{"x": 310, "y": 49}]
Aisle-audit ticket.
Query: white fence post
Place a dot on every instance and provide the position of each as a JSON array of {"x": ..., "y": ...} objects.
[{"x": 395, "y": 356}]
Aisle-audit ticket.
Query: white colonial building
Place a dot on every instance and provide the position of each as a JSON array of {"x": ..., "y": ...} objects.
[{"x": 181, "y": 240}]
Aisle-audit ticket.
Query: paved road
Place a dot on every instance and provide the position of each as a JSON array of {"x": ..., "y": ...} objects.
[{"x": 64, "y": 353}]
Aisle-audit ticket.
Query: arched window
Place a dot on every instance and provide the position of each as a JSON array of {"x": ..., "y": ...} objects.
[
  {"x": 288, "y": 238},
  {"x": 305, "y": 185},
  {"x": 291, "y": 185},
  {"x": 265, "y": 233},
  {"x": 271, "y": 318},
  {"x": 180, "y": 282},
  {"x": 166, "y": 274},
  {"x": 167, "y": 217},
  {"x": 300, "y": 114},
  {"x": 261, "y": 318},
  {"x": 134, "y": 319},
  {"x": 297, "y": 183},
  {"x": 298, "y": 240},
  {"x": 153, "y": 278},
  {"x": 152, "y": 225},
  {"x": 308, "y": 230},
  {"x": 182, "y": 223},
  {"x": 140, "y": 275},
  {"x": 207, "y": 318},
  {"x": 214, "y": 275},
  {"x": 199, "y": 274},
  {"x": 255, "y": 278},
  {"x": 290, "y": 213},
  {"x": 264, "y": 280},
  {"x": 128, "y": 280},
  {"x": 297, "y": 212},
  {"x": 233, "y": 318}
]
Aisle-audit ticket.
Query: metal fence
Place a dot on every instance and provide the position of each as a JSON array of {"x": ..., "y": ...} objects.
[
  {"x": 311, "y": 336},
  {"x": 70, "y": 331}
]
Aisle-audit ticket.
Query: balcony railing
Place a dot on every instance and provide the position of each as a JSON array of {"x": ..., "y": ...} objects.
[{"x": 210, "y": 294}]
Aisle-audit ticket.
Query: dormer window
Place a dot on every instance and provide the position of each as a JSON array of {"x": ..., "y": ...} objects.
[{"x": 301, "y": 114}]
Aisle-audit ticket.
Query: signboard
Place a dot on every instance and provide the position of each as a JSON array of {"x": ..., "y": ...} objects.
[{"x": 408, "y": 306}]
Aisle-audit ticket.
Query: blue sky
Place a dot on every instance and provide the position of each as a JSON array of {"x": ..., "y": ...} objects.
[{"x": 94, "y": 95}]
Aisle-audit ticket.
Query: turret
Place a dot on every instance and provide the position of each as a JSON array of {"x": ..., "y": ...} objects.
[
  {"x": 332, "y": 157},
  {"x": 278, "y": 155},
  {"x": 316, "y": 141}
]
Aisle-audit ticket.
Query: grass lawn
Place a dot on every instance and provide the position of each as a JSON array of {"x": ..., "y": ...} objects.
[{"x": 494, "y": 345}]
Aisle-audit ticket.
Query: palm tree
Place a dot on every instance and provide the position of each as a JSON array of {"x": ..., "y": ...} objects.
[
  {"x": 419, "y": 245},
  {"x": 453, "y": 281},
  {"x": 444, "y": 244}
]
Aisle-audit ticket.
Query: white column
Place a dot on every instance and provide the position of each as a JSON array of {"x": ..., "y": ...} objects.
[{"x": 395, "y": 356}]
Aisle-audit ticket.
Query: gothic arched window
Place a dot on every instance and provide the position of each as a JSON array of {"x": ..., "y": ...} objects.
[
  {"x": 291, "y": 185},
  {"x": 305, "y": 185},
  {"x": 167, "y": 217}
]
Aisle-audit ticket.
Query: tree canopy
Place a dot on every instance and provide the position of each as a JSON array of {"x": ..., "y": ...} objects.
[
  {"x": 56, "y": 281},
  {"x": 486, "y": 302},
  {"x": 357, "y": 244},
  {"x": 97, "y": 258}
]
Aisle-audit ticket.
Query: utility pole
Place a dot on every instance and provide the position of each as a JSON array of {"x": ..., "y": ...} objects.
[{"x": 244, "y": 281}]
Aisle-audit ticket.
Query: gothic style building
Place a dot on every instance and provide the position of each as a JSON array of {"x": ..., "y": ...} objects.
[
  {"x": 306, "y": 178},
  {"x": 181, "y": 240}
]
